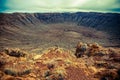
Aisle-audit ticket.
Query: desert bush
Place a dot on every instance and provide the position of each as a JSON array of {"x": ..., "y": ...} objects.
[
  {"x": 15, "y": 52},
  {"x": 10, "y": 72},
  {"x": 15, "y": 73}
]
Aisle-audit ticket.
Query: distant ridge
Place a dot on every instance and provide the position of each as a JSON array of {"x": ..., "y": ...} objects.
[{"x": 101, "y": 21}]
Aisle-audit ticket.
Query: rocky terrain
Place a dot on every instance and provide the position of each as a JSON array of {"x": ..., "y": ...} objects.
[
  {"x": 42, "y": 46},
  {"x": 88, "y": 62}
]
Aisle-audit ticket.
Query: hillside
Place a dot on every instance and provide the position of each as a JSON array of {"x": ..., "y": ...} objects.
[
  {"x": 36, "y": 31},
  {"x": 99, "y": 21}
]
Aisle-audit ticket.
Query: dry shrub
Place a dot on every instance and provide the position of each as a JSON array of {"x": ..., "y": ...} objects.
[
  {"x": 15, "y": 73},
  {"x": 15, "y": 52}
]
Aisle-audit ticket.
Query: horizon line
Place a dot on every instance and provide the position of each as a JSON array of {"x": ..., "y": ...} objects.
[{"x": 90, "y": 11}]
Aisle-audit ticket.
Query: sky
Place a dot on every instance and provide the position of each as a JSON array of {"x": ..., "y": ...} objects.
[{"x": 11, "y": 6}]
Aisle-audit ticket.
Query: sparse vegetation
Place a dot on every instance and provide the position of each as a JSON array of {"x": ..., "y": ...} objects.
[{"x": 95, "y": 62}]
